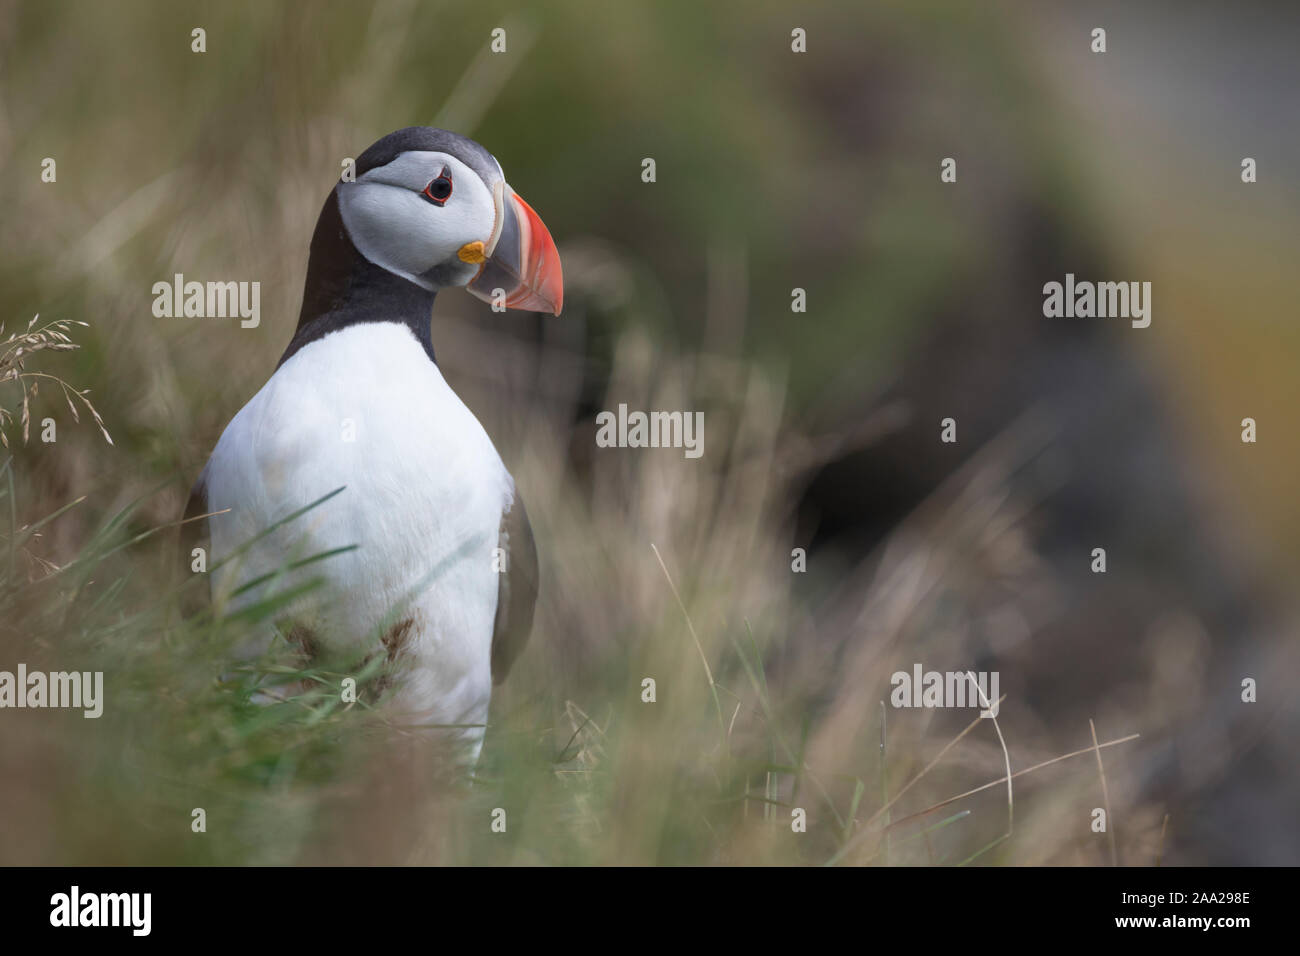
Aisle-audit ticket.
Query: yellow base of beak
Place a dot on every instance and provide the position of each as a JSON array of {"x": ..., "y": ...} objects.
[{"x": 472, "y": 252}]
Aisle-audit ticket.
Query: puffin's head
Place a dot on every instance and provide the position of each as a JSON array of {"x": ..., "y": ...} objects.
[{"x": 434, "y": 208}]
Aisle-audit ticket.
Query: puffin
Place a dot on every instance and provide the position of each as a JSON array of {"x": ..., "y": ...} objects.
[{"x": 356, "y": 484}]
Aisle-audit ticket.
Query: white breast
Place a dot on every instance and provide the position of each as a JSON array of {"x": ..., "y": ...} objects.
[{"x": 365, "y": 408}]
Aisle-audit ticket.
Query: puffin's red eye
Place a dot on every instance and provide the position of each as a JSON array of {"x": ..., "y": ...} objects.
[{"x": 439, "y": 191}]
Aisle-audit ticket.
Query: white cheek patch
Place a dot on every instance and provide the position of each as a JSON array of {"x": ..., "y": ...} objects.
[{"x": 398, "y": 230}]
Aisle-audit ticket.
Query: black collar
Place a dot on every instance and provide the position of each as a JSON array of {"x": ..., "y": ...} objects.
[{"x": 345, "y": 288}]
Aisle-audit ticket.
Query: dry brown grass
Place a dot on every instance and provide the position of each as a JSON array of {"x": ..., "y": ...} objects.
[{"x": 16, "y": 351}]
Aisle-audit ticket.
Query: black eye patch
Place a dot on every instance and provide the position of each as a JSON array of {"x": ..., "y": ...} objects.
[{"x": 439, "y": 190}]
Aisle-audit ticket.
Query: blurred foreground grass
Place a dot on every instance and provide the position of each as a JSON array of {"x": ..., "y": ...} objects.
[{"x": 744, "y": 728}]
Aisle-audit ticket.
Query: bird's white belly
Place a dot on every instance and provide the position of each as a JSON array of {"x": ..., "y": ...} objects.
[{"x": 364, "y": 409}]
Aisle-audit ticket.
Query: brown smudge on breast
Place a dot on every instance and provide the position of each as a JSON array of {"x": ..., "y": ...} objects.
[
  {"x": 305, "y": 638},
  {"x": 398, "y": 637}
]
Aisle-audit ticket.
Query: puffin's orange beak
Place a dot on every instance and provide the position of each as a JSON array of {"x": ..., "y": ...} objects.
[{"x": 522, "y": 266}]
